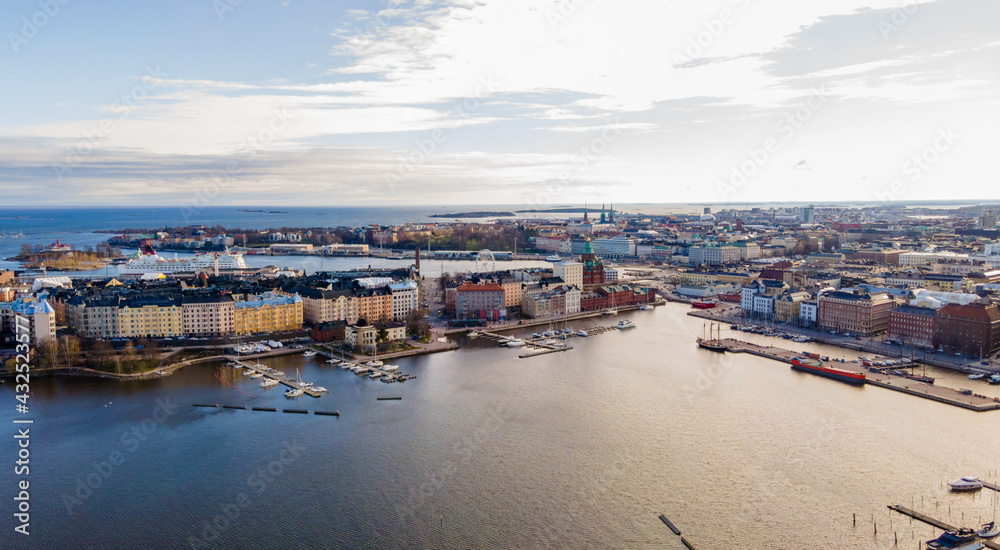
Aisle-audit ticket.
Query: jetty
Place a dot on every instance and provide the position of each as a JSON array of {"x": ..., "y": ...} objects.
[
  {"x": 542, "y": 345},
  {"x": 885, "y": 380},
  {"x": 936, "y": 523},
  {"x": 254, "y": 367},
  {"x": 271, "y": 409}
]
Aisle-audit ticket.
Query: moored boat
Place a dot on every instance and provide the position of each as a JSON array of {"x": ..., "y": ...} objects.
[
  {"x": 957, "y": 539},
  {"x": 703, "y": 304},
  {"x": 967, "y": 483},
  {"x": 294, "y": 392}
]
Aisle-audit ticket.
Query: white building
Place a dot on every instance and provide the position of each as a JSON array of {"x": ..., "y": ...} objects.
[
  {"x": 40, "y": 317},
  {"x": 610, "y": 274},
  {"x": 713, "y": 255},
  {"x": 615, "y": 247},
  {"x": 570, "y": 272},
  {"x": 404, "y": 298},
  {"x": 808, "y": 313},
  {"x": 763, "y": 305}
]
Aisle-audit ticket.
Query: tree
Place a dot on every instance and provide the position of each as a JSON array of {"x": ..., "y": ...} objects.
[
  {"x": 381, "y": 337},
  {"x": 25, "y": 249},
  {"x": 71, "y": 350}
]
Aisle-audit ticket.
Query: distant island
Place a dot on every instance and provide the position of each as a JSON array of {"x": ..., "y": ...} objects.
[
  {"x": 472, "y": 215},
  {"x": 262, "y": 211}
]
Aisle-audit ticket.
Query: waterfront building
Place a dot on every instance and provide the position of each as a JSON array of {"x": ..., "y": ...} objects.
[
  {"x": 808, "y": 313},
  {"x": 150, "y": 317},
  {"x": 374, "y": 304},
  {"x": 856, "y": 312},
  {"x": 269, "y": 313},
  {"x": 208, "y": 315},
  {"x": 323, "y": 306},
  {"x": 972, "y": 329},
  {"x": 787, "y": 306},
  {"x": 364, "y": 337},
  {"x": 513, "y": 291},
  {"x": 912, "y": 325},
  {"x": 482, "y": 301}
]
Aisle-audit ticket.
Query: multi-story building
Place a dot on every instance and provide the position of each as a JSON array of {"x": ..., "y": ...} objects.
[
  {"x": 856, "y": 312},
  {"x": 614, "y": 247},
  {"x": 484, "y": 301},
  {"x": 374, "y": 304},
  {"x": 364, "y": 337},
  {"x": 513, "y": 291},
  {"x": 269, "y": 313},
  {"x": 404, "y": 295},
  {"x": 787, "y": 306},
  {"x": 40, "y": 317},
  {"x": 570, "y": 272},
  {"x": 208, "y": 315},
  {"x": 972, "y": 329},
  {"x": 713, "y": 255},
  {"x": 559, "y": 300},
  {"x": 714, "y": 277},
  {"x": 554, "y": 243},
  {"x": 808, "y": 313},
  {"x": 324, "y": 306},
  {"x": 912, "y": 325},
  {"x": 150, "y": 317}
]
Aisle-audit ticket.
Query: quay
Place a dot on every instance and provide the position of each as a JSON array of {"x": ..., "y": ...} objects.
[
  {"x": 940, "y": 394},
  {"x": 936, "y": 523},
  {"x": 280, "y": 379},
  {"x": 547, "y": 320}
]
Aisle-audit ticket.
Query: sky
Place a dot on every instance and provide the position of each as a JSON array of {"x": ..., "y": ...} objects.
[{"x": 536, "y": 102}]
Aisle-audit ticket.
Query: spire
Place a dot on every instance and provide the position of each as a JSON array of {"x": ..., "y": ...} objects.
[
  {"x": 604, "y": 217},
  {"x": 584, "y": 211}
]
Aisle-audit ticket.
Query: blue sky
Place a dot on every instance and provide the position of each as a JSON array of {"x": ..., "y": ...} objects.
[{"x": 529, "y": 102}]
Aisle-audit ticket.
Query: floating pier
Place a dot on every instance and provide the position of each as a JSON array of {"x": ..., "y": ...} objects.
[
  {"x": 296, "y": 411},
  {"x": 252, "y": 367},
  {"x": 670, "y": 524},
  {"x": 202, "y": 405},
  {"x": 327, "y": 413},
  {"x": 539, "y": 343},
  {"x": 244, "y": 407},
  {"x": 268, "y": 409},
  {"x": 388, "y": 398}
]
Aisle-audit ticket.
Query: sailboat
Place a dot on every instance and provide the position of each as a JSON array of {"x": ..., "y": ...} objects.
[
  {"x": 612, "y": 311},
  {"x": 991, "y": 529},
  {"x": 710, "y": 343}
]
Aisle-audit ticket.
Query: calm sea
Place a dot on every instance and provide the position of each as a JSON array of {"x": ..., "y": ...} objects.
[{"x": 580, "y": 449}]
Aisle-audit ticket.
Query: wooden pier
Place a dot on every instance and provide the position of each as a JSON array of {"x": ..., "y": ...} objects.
[
  {"x": 936, "y": 523},
  {"x": 281, "y": 379}
]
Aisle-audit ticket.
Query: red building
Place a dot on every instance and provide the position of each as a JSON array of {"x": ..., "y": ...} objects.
[
  {"x": 912, "y": 325},
  {"x": 972, "y": 329},
  {"x": 608, "y": 296},
  {"x": 593, "y": 267}
]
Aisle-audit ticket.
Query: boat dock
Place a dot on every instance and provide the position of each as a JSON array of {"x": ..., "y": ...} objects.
[
  {"x": 936, "y": 523},
  {"x": 270, "y": 409},
  {"x": 252, "y": 367},
  {"x": 902, "y": 384},
  {"x": 542, "y": 345}
]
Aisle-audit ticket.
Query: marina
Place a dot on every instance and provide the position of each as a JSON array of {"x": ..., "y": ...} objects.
[
  {"x": 257, "y": 368},
  {"x": 936, "y": 523}
]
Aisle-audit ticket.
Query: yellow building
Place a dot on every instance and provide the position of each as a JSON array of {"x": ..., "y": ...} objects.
[
  {"x": 788, "y": 305},
  {"x": 712, "y": 277},
  {"x": 150, "y": 318},
  {"x": 271, "y": 313}
]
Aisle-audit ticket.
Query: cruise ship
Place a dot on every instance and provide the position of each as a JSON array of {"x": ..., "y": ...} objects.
[{"x": 154, "y": 263}]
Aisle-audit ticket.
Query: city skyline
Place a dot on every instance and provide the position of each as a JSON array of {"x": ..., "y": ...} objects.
[{"x": 460, "y": 103}]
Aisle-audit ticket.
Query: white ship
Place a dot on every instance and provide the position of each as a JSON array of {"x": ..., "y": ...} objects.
[{"x": 154, "y": 263}]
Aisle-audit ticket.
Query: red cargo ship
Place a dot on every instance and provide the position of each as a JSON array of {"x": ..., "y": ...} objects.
[
  {"x": 703, "y": 304},
  {"x": 816, "y": 367}
]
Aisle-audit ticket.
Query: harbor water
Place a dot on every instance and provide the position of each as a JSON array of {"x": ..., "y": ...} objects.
[{"x": 578, "y": 449}]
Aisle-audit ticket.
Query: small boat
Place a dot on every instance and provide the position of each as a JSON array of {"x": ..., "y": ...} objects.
[
  {"x": 967, "y": 483},
  {"x": 995, "y": 379},
  {"x": 302, "y": 384},
  {"x": 977, "y": 376},
  {"x": 582, "y": 333},
  {"x": 374, "y": 363},
  {"x": 390, "y": 368},
  {"x": 611, "y": 312},
  {"x": 958, "y": 539},
  {"x": 310, "y": 353},
  {"x": 645, "y": 307},
  {"x": 257, "y": 375},
  {"x": 346, "y": 365},
  {"x": 515, "y": 343},
  {"x": 294, "y": 392},
  {"x": 920, "y": 378},
  {"x": 240, "y": 366},
  {"x": 553, "y": 258},
  {"x": 626, "y": 324},
  {"x": 703, "y": 304},
  {"x": 278, "y": 373},
  {"x": 989, "y": 530},
  {"x": 268, "y": 383},
  {"x": 319, "y": 389},
  {"x": 248, "y": 372},
  {"x": 376, "y": 374},
  {"x": 332, "y": 361}
]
